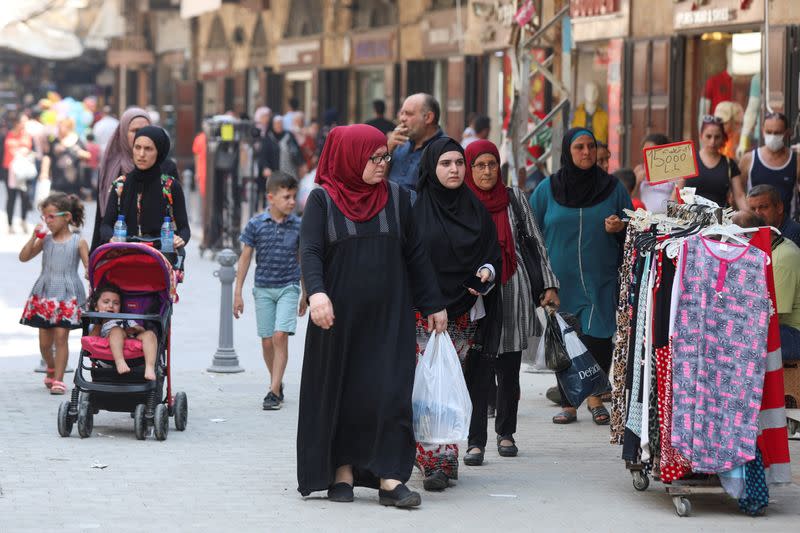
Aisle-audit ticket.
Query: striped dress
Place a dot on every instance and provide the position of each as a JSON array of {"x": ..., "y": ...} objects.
[{"x": 518, "y": 310}]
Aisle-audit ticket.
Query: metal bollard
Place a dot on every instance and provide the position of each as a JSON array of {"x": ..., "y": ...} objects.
[
  {"x": 225, "y": 360},
  {"x": 42, "y": 368}
]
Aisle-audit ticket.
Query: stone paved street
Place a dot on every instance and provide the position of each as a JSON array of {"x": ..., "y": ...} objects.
[{"x": 233, "y": 469}]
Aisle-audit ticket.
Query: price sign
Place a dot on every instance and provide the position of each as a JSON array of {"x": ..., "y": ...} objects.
[{"x": 670, "y": 162}]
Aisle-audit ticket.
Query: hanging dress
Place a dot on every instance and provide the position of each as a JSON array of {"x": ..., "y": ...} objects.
[{"x": 720, "y": 351}]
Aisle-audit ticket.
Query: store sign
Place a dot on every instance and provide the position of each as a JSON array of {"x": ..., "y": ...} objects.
[
  {"x": 441, "y": 33},
  {"x": 670, "y": 162},
  {"x": 373, "y": 48},
  {"x": 704, "y": 17},
  {"x": 299, "y": 54},
  {"x": 590, "y": 8}
]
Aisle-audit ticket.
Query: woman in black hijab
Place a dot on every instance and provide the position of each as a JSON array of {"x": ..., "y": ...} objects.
[
  {"x": 461, "y": 238},
  {"x": 146, "y": 195},
  {"x": 579, "y": 210}
]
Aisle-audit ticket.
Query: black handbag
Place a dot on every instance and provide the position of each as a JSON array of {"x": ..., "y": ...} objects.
[{"x": 529, "y": 250}]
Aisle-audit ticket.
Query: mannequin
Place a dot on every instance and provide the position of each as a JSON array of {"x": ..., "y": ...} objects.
[
  {"x": 751, "y": 113},
  {"x": 719, "y": 88},
  {"x": 590, "y": 114}
]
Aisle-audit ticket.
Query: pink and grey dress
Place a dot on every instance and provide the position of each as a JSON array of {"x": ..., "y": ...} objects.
[
  {"x": 719, "y": 353},
  {"x": 58, "y": 294}
]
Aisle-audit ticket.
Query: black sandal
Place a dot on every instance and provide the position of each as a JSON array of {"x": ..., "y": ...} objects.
[
  {"x": 565, "y": 417},
  {"x": 600, "y": 415}
]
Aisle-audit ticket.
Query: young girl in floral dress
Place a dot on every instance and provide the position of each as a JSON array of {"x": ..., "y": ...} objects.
[{"x": 53, "y": 306}]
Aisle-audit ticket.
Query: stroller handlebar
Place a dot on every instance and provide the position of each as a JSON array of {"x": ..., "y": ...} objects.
[{"x": 127, "y": 316}]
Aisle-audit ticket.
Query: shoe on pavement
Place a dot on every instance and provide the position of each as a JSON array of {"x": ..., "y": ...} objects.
[
  {"x": 553, "y": 395},
  {"x": 341, "y": 492},
  {"x": 271, "y": 402},
  {"x": 400, "y": 496},
  {"x": 436, "y": 481},
  {"x": 506, "y": 451},
  {"x": 474, "y": 458}
]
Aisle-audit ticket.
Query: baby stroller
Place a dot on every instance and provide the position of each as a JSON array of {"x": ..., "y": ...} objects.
[{"x": 147, "y": 281}]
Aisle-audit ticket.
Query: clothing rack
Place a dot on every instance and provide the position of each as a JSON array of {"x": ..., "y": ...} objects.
[{"x": 646, "y": 233}]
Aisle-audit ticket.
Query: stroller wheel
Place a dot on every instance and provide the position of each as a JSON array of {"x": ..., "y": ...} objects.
[
  {"x": 161, "y": 422},
  {"x": 181, "y": 411},
  {"x": 85, "y": 418},
  {"x": 139, "y": 423},
  {"x": 64, "y": 421}
]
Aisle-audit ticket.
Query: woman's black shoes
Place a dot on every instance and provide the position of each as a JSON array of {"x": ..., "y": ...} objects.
[
  {"x": 400, "y": 496},
  {"x": 341, "y": 492},
  {"x": 506, "y": 451},
  {"x": 436, "y": 481},
  {"x": 474, "y": 458}
]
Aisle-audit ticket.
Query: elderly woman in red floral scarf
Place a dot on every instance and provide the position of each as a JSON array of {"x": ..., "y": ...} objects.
[{"x": 521, "y": 292}]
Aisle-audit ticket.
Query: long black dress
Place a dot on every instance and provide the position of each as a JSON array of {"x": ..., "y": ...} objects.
[{"x": 355, "y": 394}]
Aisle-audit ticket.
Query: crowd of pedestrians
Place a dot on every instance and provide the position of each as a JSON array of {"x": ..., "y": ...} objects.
[{"x": 405, "y": 233}]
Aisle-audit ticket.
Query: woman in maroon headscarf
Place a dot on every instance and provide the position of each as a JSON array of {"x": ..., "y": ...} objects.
[
  {"x": 365, "y": 269},
  {"x": 507, "y": 206}
]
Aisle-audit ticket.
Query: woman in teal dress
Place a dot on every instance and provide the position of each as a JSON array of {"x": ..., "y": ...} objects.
[{"x": 579, "y": 209}]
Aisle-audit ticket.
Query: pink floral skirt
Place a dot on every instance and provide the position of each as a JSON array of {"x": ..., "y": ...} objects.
[{"x": 41, "y": 312}]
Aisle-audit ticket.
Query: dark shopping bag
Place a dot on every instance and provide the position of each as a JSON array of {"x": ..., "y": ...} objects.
[
  {"x": 584, "y": 377},
  {"x": 556, "y": 357}
]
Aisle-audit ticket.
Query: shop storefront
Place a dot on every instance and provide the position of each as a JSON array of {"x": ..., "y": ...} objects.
[
  {"x": 598, "y": 31},
  {"x": 442, "y": 73},
  {"x": 214, "y": 69},
  {"x": 721, "y": 43},
  {"x": 374, "y": 59},
  {"x": 298, "y": 60}
]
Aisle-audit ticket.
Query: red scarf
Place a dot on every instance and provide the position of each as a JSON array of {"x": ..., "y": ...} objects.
[
  {"x": 341, "y": 166},
  {"x": 496, "y": 202}
]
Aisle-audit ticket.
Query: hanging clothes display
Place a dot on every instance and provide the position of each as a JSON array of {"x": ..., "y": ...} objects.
[{"x": 697, "y": 376}]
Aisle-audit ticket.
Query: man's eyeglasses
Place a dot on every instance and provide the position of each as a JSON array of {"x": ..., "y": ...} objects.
[
  {"x": 484, "y": 166},
  {"x": 376, "y": 159},
  {"x": 54, "y": 215}
]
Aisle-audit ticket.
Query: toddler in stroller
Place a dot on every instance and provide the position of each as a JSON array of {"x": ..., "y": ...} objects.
[{"x": 108, "y": 299}]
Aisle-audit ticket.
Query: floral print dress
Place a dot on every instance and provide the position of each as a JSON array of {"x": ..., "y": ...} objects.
[{"x": 58, "y": 294}]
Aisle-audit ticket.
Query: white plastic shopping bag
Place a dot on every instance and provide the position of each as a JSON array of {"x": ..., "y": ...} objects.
[{"x": 440, "y": 400}]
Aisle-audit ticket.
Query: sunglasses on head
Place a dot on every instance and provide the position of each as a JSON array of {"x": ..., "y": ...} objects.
[{"x": 711, "y": 119}]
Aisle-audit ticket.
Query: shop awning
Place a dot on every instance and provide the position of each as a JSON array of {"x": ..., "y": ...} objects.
[{"x": 42, "y": 28}]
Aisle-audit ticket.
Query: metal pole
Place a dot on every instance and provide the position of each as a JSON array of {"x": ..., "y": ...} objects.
[
  {"x": 226, "y": 361},
  {"x": 42, "y": 368}
]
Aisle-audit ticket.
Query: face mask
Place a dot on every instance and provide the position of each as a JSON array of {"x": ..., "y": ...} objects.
[{"x": 773, "y": 142}]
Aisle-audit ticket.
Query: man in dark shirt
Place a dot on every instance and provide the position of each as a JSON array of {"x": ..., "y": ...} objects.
[
  {"x": 419, "y": 125},
  {"x": 380, "y": 121}
]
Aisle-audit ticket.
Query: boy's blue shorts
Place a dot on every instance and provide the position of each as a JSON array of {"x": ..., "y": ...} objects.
[{"x": 276, "y": 309}]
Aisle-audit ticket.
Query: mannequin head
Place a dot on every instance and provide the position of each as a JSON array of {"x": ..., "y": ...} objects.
[{"x": 591, "y": 96}]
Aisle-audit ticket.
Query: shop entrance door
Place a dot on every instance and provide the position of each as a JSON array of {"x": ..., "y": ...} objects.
[{"x": 647, "y": 95}]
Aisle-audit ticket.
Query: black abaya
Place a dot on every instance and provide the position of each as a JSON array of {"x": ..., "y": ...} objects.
[{"x": 355, "y": 394}]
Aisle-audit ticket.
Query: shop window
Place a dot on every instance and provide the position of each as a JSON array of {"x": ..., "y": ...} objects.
[
  {"x": 371, "y": 86},
  {"x": 374, "y": 13},
  {"x": 305, "y": 18}
]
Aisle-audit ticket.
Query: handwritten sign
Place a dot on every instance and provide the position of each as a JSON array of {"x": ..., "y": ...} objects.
[{"x": 670, "y": 162}]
